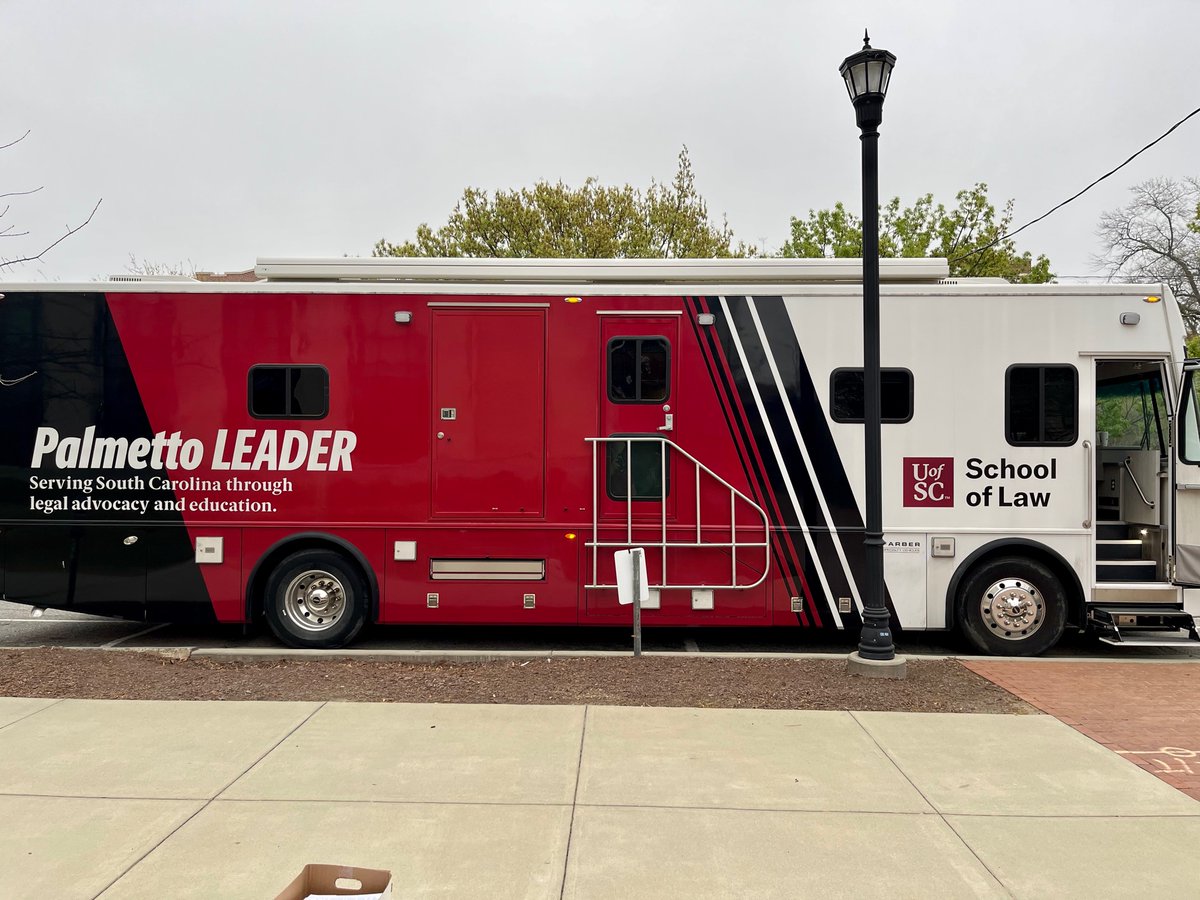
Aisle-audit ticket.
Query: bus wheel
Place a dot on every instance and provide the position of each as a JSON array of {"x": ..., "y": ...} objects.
[
  {"x": 1012, "y": 607},
  {"x": 316, "y": 599}
]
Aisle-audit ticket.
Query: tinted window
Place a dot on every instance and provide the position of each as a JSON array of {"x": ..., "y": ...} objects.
[
  {"x": 639, "y": 370},
  {"x": 289, "y": 392},
  {"x": 645, "y": 476},
  {"x": 1041, "y": 405},
  {"x": 847, "y": 386}
]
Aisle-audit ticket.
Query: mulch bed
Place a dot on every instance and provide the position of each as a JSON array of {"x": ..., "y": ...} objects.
[{"x": 932, "y": 685}]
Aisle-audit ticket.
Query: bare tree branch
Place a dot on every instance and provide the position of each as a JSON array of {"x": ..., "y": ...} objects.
[
  {"x": 17, "y": 141},
  {"x": 1154, "y": 239},
  {"x": 21, "y": 193},
  {"x": 70, "y": 231}
]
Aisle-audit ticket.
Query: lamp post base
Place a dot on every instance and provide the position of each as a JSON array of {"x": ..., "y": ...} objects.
[{"x": 895, "y": 668}]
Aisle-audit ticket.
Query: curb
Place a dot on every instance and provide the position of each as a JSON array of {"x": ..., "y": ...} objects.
[{"x": 268, "y": 654}]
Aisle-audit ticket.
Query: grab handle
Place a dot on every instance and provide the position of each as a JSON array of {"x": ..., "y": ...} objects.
[{"x": 1091, "y": 483}]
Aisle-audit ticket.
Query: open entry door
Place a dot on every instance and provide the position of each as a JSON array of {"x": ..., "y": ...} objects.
[{"x": 1186, "y": 468}]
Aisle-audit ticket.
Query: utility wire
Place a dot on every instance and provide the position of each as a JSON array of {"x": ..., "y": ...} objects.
[{"x": 1005, "y": 237}]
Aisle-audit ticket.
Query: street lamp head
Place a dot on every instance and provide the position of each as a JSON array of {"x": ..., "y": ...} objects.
[{"x": 867, "y": 74}]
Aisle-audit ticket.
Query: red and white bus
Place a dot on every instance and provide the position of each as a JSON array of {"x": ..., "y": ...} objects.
[{"x": 435, "y": 441}]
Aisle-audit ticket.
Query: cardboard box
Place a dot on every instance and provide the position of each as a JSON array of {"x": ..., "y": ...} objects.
[{"x": 319, "y": 882}]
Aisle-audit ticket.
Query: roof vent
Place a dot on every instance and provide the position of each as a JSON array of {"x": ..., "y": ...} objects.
[{"x": 129, "y": 278}]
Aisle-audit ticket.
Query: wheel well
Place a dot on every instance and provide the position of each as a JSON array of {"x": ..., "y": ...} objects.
[
  {"x": 1048, "y": 557},
  {"x": 256, "y": 586}
]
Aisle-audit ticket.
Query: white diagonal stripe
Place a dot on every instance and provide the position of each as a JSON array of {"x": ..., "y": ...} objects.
[
  {"x": 737, "y": 343},
  {"x": 812, "y": 474}
]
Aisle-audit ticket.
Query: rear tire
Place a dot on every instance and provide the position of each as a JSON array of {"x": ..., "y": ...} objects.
[
  {"x": 1012, "y": 606},
  {"x": 316, "y": 599}
]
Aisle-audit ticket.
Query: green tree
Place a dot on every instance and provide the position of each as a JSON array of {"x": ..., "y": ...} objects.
[
  {"x": 590, "y": 221},
  {"x": 926, "y": 229}
]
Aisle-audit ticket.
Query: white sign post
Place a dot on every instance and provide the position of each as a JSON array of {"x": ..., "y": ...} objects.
[{"x": 633, "y": 586}]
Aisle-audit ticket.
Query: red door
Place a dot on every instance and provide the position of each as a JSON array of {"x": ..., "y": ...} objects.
[
  {"x": 489, "y": 413},
  {"x": 640, "y": 398}
]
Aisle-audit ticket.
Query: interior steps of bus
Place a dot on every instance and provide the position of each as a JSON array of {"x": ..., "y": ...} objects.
[{"x": 1133, "y": 618}]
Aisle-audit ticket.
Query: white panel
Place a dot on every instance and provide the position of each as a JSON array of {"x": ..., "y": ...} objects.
[
  {"x": 624, "y": 562},
  {"x": 592, "y": 271},
  {"x": 210, "y": 550},
  {"x": 702, "y": 599},
  {"x": 1191, "y": 602},
  {"x": 405, "y": 551},
  {"x": 904, "y": 561}
]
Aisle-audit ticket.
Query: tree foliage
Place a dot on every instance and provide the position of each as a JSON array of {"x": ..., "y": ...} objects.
[
  {"x": 926, "y": 229},
  {"x": 1156, "y": 237},
  {"x": 589, "y": 221}
]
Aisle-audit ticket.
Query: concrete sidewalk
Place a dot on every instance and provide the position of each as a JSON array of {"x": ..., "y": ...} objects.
[{"x": 140, "y": 799}]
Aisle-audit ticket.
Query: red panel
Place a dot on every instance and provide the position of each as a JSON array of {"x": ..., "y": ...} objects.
[
  {"x": 500, "y": 602},
  {"x": 489, "y": 373},
  {"x": 532, "y": 392}
]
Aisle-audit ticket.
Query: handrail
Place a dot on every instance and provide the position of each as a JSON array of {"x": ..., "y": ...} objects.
[
  {"x": 1133, "y": 478},
  {"x": 1091, "y": 483},
  {"x": 664, "y": 543}
]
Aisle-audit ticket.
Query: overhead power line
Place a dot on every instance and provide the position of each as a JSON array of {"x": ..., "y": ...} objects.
[{"x": 1075, "y": 196}]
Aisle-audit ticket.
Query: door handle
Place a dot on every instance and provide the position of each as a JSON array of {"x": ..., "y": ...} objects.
[{"x": 668, "y": 422}]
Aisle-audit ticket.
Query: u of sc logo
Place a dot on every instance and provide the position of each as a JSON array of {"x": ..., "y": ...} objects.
[{"x": 929, "y": 481}]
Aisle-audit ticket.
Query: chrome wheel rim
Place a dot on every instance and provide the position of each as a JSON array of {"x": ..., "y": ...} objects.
[
  {"x": 314, "y": 600},
  {"x": 1013, "y": 609}
]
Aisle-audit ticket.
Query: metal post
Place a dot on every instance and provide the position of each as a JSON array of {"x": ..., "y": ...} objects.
[
  {"x": 636, "y": 556},
  {"x": 875, "y": 642}
]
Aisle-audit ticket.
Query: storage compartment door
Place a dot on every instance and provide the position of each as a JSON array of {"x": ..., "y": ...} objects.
[{"x": 489, "y": 413}]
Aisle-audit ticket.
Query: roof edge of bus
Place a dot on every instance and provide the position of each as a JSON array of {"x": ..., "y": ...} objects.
[{"x": 926, "y": 270}]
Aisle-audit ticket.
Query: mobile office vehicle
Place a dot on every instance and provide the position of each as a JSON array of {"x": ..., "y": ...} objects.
[{"x": 435, "y": 441}]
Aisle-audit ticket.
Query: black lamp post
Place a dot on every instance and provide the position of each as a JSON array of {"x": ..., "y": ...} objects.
[{"x": 867, "y": 74}]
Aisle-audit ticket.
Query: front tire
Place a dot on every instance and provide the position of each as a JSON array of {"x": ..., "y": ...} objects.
[
  {"x": 316, "y": 599},
  {"x": 1012, "y": 606}
]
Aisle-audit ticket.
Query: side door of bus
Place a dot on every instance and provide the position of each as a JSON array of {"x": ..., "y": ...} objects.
[
  {"x": 639, "y": 399},
  {"x": 1185, "y": 460}
]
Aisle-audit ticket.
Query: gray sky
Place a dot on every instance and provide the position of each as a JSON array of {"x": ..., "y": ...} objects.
[{"x": 222, "y": 130}]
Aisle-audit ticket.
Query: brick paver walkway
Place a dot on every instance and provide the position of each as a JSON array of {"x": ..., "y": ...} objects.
[{"x": 1147, "y": 712}]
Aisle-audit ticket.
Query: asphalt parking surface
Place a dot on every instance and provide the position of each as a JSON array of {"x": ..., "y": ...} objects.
[{"x": 58, "y": 628}]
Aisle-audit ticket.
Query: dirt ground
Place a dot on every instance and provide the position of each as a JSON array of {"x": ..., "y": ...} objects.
[{"x": 931, "y": 686}]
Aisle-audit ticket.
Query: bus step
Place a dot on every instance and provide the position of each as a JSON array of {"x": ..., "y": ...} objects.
[
  {"x": 1130, "y": 548},
  {"x": 1126, "y": 570},
  {"x": 1153, "y": 639},
  {"x": 1143, "y": 626}
]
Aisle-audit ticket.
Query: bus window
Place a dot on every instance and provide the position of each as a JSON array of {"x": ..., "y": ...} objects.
[
  {"x": 847, "y": 389},
  {"x": 1132, "y": 412},
  {"x": 1041, "y": 405},
  {"x": 288, "y": 392}
]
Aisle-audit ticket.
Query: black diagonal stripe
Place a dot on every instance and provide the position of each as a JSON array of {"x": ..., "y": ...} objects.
[
  {"x": 794, "y": 469},
  {"x": 806, "y": 406},
  {"x": 809, "y": 413},
  {"x": 788, "y": 565}
]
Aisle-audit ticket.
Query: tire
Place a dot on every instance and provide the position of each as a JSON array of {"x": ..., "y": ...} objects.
[
  {"x": 1034, "y": 611},
  {"x": 316, "y": 599}
]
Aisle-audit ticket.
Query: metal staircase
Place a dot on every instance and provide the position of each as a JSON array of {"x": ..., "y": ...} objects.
[{"x": 1132, "y": 607}]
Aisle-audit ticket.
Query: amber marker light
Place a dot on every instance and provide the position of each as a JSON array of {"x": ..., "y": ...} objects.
[
  {"x": 570, "y": 535},
  {"x": 1151, "y": 299},
  {"x": 573, "y": 299}
]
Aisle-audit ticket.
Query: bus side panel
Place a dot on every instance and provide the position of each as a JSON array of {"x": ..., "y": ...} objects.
[
  {"x": 510, "y": 576},
  {"x": 89, "y": 528}
]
